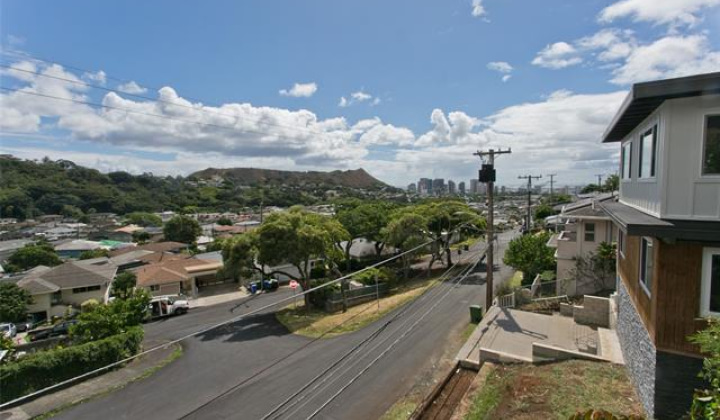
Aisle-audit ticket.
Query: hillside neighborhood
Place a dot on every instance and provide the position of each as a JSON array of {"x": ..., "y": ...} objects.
[{"x": 296, "y": 255}]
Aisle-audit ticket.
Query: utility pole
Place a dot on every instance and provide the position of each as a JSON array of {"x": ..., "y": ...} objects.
[
  {"x": 487, "y": 175},
  {"x": 529, "y": 203},
  {"x": 552, "y": 182},
  {"x": 599, "y": 181}
]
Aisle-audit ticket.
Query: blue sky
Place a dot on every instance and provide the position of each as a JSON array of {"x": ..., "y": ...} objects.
[{"x": 404, "y": 88}]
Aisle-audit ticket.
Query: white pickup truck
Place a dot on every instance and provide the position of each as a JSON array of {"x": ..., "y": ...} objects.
[{"x": 161, "y": 306}]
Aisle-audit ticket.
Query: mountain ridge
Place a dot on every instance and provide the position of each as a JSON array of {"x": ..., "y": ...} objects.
[{"x": 352, "y": 178}]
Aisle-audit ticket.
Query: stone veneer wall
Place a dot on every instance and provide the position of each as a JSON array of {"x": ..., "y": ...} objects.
[{"x": 638, "y": 350}]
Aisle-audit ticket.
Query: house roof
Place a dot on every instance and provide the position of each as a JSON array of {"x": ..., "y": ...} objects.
[
  {"x": 637, "y": 223},
  {"x": 155, "y": 247},
  {"x": 128, "y": 229},
  {"x": 644, "y": 98},
  {"x": 78, "y": 245},
  {"x": 69, "y": 275},
  {"x": 585, "y": 209},
  {"x": 170, "y": 271}
]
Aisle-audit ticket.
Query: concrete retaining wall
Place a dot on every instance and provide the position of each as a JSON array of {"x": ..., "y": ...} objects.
[
  {"x": 594, "y": 311},
  {"x": 544, "y": 352}
]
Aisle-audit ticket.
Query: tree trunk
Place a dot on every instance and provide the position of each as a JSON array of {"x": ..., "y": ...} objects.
[
  {"x": 379, "y": 246},
  {"x": 347, "y": 256}
]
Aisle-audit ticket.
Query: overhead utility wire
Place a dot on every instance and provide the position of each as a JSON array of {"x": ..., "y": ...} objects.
[
  {"x": 205, "y": 330},
  {"x": 332, "y": 365},
  {"x": 355, "y": 362},
  {"x": 387, "y": 350}
]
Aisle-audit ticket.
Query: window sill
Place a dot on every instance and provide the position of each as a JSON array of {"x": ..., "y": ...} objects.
[{"x": 645, "y": 289}]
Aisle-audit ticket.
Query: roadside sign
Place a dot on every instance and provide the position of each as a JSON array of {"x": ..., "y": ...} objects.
[{"x": 293, "y": 284}]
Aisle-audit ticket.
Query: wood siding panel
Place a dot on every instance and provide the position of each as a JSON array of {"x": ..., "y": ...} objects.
[
  {"x": 630, "y": 274},
  {"x": 678, "y": 297}
]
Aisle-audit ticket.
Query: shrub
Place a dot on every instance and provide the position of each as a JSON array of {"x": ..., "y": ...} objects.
[
  {"x": 89, "y": 305},
  {"x": 318, "y": 272},
  {"x": 40, "y": 370}
]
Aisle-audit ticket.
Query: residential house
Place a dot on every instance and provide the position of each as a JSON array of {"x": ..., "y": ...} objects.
[
  {"x": 124, "y": 233},
  {"x": 668, "y": 228},
  {"x": 55, "y": 289},
  {"x": 179, "y": 276},
  {"x": 169, "y": 247},
  {"x": 585, "y": 226},
  {"x": 73, "y": 249}
]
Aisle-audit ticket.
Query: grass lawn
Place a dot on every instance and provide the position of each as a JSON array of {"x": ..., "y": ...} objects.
[
  {"x": 467, "y": 332},
  {"x": 554, "y": 391},
  {"x": 317, "y": 322},
  {"x": 401, "y": 410}
]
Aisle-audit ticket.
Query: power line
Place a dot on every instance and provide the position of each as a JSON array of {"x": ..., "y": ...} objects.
[{"x": 205, "y": 330}]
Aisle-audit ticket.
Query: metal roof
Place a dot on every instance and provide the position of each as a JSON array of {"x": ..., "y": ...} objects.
[{"x": 644, "y": 98}]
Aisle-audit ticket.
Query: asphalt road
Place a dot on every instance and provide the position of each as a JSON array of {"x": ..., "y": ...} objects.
[{"x": 240, "y": 353}]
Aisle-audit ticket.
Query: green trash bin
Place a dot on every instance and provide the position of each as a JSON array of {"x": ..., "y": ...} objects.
[{"x": 475, "y": 314}]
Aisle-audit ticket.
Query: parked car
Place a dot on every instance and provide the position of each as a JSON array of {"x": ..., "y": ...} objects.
[
  {"x": 63, "y": 328},
  {"x": 24, "y": 326},
  {"x": 8, "y": 329},
  {"x": 161, "y": 306}
]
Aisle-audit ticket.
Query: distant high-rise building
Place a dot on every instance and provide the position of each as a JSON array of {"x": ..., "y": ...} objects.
[
  {"x": 461, "y": 187},
  {"x": 438, "y": 186},
  {"x": 411, "y": 188},
  {"x": 474, "y": 186},
  {"x": 425, "y": 186},
  {"x": 451, "y": 187},
  {"x": 502, "y": 190}
]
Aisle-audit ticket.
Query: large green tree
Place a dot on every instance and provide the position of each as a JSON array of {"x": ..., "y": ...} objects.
[
  {"x": 365, "y": 220},
  {"x": 183, "y": 229},
  {"x": 530, "y": 254},
  {"x": 124, "y": 285},
  {"x": 33, "y": 255},
  {"x": 141, "y": 218},
  {"x": 13, "y": 302},
  {"x": 405, "y": 232},
  {"x": 102, "y": 321}
]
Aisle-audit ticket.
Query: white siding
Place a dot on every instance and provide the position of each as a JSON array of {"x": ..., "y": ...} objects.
[{"x": 688, "y": 195}]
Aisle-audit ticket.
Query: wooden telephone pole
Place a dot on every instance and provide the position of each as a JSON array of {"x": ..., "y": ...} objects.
[
  {"x": 528, "y": 223},
  {"x": 487, "y": 175}
]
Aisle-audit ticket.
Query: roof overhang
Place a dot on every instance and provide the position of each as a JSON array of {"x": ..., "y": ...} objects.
[
  {"x": 644, "y": 98},
  {"x": 636, "y": 223}
]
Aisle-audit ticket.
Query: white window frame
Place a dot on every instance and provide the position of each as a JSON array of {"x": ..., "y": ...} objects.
[
  {"x": 593, "y": 231},
  {"x": 626, "y": 153},
  {"x": 702, "y": 147},
  {"x": 653, "y": 132},
  {"x": 641, "y": 277},
  {"x": 708, "y": 253}
]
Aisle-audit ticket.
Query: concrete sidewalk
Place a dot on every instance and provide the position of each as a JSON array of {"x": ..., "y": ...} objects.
[
  {"x": 217, "y": 299},
  {"x": 512, "y": 332},
  {"x": 94, "y": 387}
]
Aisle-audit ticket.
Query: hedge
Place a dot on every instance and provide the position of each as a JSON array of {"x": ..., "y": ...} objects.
[{"x": 46, "y": 368}]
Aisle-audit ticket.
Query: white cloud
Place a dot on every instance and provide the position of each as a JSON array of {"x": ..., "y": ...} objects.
[
  {"x": 612, "y": 43},
  {"x": 478, "y": 9},
  {"x": 557, "y": 56},
  {"x": 506, "y": 78},
  {"x": 300, "y": 90},
  {"x": 358, "y": 97},
  {"x": 657, "y": 11},
  {"x": 132, "y": 88},
  {"x": 500, "y": 66},
  {"x": 671, "y": 56},
  {"x": 99, "y": 77}
]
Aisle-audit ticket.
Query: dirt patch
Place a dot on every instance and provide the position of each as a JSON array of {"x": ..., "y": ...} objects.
[{"x": 554, "y": 391}]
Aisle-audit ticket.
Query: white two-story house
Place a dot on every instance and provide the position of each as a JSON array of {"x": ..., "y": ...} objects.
[{"x": 667, "y": 218}]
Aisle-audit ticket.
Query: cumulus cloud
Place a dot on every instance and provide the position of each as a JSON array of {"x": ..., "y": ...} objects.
[
  {"x": 131, "y": 87},
  {"x": 557, "y": 56},
  {"x": 671, "y": 56},
  {"x": 358, "y": 97},
  {"x": 542, "y": 134},
  {"x": 501, "y": 67},
  {"x": 99, "y": 77},
  {"x": 658, "y": 12},
  {"x": 300, "y": 90},
  {"x": 478, "y": 9}
]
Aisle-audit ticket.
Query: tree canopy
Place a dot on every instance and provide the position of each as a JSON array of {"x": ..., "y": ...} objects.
[
  {"x": 13, "y": 302},
  {"x": 182, "y": 229},
  {"x": 144, "y": 219},
  {"x": 32, "y": 255},
  {"x": 531, "y": 255}
]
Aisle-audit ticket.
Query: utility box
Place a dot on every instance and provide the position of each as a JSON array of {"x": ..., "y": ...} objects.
[
  {"x": 487, "y": 173},
  {"x": 476, "y": 314}
]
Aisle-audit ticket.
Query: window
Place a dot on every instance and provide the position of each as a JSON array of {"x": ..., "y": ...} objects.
[
  {"x": 154, "y": 287},
  {"x": 56, "y": 298},
  {"x": 621, "y": 242},
  {"x": 646, "y": 264},
  {"x": 626, "y": 159},
  {"x": 710, "y": 304},
  {"x": 648, "y": 143},
  {"x": 711, "y": 146},
  {"x": 85, "y": 289},
  {"x": 589, "y": 232}
]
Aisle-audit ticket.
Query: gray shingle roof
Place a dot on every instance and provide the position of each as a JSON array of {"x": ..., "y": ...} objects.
[{"x": 68, "y": 276}]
